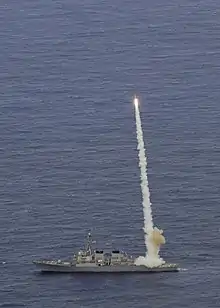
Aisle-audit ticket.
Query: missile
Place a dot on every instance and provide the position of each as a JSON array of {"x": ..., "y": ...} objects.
[{"x": 136, "y": 101}]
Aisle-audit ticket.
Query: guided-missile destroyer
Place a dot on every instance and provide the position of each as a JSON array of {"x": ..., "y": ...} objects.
[{"x": 88, "y": 260}]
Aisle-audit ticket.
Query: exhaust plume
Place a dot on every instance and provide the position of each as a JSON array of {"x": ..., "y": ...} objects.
[{"x": 153, "y": 236}]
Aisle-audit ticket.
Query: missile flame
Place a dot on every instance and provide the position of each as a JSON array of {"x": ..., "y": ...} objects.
[{"x": 136, "y": 102}]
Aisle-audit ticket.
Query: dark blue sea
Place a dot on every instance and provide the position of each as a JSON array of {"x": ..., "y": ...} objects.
[{"x": 68, "y": 149}]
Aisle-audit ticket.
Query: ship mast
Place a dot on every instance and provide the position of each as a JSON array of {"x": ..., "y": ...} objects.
[{"x": 89, "y": 244}]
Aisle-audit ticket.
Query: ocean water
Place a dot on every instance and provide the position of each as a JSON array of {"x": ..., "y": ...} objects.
[{"x": 68, "y": 152}]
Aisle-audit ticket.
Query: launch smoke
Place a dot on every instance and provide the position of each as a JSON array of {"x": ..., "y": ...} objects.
[{"x": 153, "y": 236}]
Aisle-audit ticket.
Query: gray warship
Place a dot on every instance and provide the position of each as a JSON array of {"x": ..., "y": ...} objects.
[{"x": 88, "y": 260}]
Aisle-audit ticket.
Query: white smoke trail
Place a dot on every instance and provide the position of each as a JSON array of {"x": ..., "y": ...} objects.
[{"x": 152, "y": 255}]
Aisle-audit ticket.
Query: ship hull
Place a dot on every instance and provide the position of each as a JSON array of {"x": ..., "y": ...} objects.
[{"x": 68, "y": 268}]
